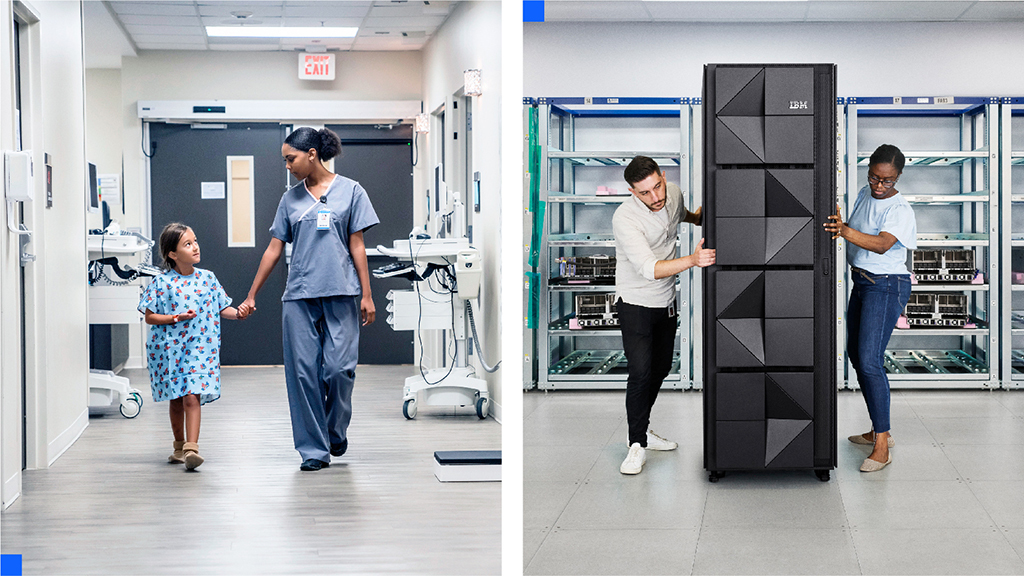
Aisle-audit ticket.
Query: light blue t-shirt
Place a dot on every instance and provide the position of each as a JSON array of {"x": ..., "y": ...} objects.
[
  {"x": 321, "y": 262},
  {"x": 873, "y": 216}
]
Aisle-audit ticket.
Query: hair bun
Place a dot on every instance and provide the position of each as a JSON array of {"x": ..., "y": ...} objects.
[{"x": 330, "y": 144}]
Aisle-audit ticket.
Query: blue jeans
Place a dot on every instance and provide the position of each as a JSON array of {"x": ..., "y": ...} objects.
[{"x": 875, "y": 305}]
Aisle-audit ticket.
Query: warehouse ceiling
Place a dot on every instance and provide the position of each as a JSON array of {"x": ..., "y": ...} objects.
[
  {"x": 783, "y": 11},
  {"x": 116, "y": 28}
]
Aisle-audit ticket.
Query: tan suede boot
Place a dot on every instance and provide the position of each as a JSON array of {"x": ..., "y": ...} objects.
[
  {"x": 178, "y": 457},
  {"x": 192, "y": 457}
]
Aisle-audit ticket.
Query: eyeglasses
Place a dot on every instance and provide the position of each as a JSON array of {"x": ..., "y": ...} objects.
[{"x": 874, "y": 181}]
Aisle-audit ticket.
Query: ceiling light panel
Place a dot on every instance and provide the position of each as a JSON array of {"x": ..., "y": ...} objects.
[
  {"x": 409, "y": 9},
  {"x": 584, "y": 11},
  {"x": 154, "y": 8},
  {"x": 279, "y": 32}
]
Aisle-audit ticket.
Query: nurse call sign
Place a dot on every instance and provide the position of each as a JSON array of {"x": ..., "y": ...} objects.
[{"x": 316, "y": 66}]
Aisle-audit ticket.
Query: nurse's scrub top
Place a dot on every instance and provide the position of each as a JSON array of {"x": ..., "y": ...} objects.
[
  {"x": 184, "y": 358},
  {"x": 321, "y": 263}
]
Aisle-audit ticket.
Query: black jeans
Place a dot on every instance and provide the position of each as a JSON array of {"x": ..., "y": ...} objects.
[{"x": 648, "y": 338}]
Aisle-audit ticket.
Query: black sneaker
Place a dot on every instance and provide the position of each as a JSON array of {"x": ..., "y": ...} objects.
[
  {"x": 313, "y": 465},
  {"x": 339, "y": 448}
]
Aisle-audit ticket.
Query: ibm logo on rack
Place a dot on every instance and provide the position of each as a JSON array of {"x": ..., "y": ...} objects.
[{"x": 798, "y": 104}]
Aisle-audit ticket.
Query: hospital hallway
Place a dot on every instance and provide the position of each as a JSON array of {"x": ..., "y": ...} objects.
[{"x": 112, "y": 504}]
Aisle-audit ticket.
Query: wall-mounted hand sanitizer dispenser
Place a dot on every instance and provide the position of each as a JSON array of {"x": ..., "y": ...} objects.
[{"x": 19, "y": 183}]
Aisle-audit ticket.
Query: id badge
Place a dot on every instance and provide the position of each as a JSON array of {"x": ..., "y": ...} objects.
[
  {"x": 323, "y": 219},
  {"x": 672, "y": 309}
]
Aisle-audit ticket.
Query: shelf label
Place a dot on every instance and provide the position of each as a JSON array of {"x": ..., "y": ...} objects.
[
  {"x": 944, "y": 100},
  {"x": 613, "y": 100},
  {"x": 924, "y": 100},
  {"x": 924, "y": 198}
]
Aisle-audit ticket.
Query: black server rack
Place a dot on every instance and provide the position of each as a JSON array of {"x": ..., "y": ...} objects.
[{"x": 769, "y": 334}]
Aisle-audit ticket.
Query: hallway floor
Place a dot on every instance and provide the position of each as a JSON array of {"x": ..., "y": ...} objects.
[
  {"x": 952, "y": 501},
  {"x": 113, "y": 505}
]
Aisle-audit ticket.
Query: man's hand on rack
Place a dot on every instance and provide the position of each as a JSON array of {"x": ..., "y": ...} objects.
[{"x": 703, "y": 257}]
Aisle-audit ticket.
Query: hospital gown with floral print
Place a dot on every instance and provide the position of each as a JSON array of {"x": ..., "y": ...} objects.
[{"x": 184, "y": 358}]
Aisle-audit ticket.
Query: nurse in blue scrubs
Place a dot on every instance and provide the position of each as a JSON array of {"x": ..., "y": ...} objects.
[{"x": 327, "y": 296}]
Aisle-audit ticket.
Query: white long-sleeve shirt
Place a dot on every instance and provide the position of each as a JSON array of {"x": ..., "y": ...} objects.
[{"x": 642, "y": 238}]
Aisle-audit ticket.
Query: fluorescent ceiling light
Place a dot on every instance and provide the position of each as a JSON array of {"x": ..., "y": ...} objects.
[{"x": 282, "y": 31}]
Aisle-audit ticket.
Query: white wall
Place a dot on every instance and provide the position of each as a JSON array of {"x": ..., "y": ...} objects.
[
  {"x": 874, "y": 59},
  {"x": 470, "y": 38},
  {"x": 10, "y": 340},
  {"x": 56, "y": 346},
  {"x": 103, "y": 123}
]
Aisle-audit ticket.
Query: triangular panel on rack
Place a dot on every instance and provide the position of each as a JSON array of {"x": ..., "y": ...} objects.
[
  {"x": 750, "y": 333},
  {"x": 729, "y": 80},
  {"x": 730, "y": 352},
  {"x": 797, "y": 252},
  {"x": 750, "y": 130},
  {"x": 779, "y": 203},
  {"x": 749, "y": 101},
  {"x": 729, "y": 149},
  {"x": 799, "y": 453},
  {"x": 779, "y": 435},
  {"x": 799, "y": 183},
  {"x": 779, "y": 232},
  {"x": 779, "y": 404},
  {"x": 798, "y": 385},
  {"x": 731, "y": 283},
  {"x": 750, "y": 303}
]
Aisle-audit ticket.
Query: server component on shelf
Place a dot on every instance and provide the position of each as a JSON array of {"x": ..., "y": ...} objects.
[
  {"x": 955, "y": 265},
  {"x": 598, "y": 269},
  {"x": 596, "y": 311},
  {"x": 939, "y": 310}
]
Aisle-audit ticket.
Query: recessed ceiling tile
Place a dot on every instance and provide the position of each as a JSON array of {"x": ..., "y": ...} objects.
[
  {"x": 900, "y": 11},
  {"x": 142, "y": 20},
  {"x": 164, "y": 46},
  {"x": 165, "y": 31},
  {"x": 583, "y": 11},
  {"x": 258, "y": 9},
  {"x": 418, "y": 21},
  {"x": 994, "y": 12},
  {"x": 327, "y": 10},
  {"x": 155, "y": 8},
  {"x": 141, "y": 39},
  {"x": 289, "y": 21},
  {"x": 728, "y": 11}
]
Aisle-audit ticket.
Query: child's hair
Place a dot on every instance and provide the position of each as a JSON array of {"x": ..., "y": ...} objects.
[{"x": 169, "y": 239}]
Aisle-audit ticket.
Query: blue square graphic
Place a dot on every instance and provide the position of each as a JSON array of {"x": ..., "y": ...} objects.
[
  {"x": 533, "y": 10},
  {"x": 10, "y": 564}
]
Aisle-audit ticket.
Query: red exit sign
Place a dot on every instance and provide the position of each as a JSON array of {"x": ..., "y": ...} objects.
[{"x": 316, "y": 66}]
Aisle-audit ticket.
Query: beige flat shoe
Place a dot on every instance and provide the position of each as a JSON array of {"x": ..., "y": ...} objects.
[
  {"x": 870, "y": 465},
  {"x": 178, "y": 456},
  {"x": 192, "y": 458},
  {"x": 860, "y": 439}
]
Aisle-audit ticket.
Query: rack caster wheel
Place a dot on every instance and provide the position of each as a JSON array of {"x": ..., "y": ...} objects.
[
  {"x": 409, "y": 409},
  {"x": 714, "y": 476},
  {"x": 822, "y": 475},
  {"x": 481, "y": 408},
  {"x": 131, "y": 407}
]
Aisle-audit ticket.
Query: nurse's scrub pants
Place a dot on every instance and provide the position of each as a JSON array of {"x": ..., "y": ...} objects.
[{"x": 321, "y": 349}]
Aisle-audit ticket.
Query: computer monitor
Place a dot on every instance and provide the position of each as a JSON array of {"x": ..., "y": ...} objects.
[{"x": 94, "y": 190}]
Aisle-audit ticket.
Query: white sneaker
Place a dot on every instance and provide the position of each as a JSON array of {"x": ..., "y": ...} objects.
[
  {"x": 634, "y": 461},
  {"x": 655, "y": 442}
]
